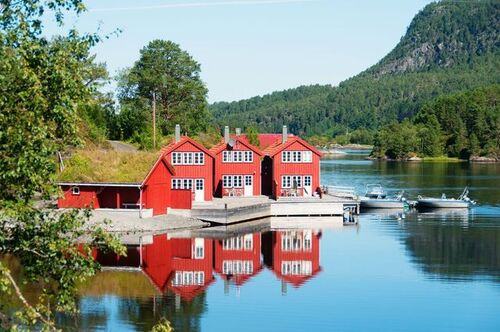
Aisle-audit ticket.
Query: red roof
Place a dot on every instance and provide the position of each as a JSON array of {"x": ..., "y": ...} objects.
[
  {"x": 221, "y": 146},
  {"x": 278, "y": 146},
  {"x": 184, "y": 139},
  {"x": 267, "y": 139}
]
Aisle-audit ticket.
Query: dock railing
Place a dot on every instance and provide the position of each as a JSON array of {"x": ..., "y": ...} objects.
[{"x": 340, "y": 191}]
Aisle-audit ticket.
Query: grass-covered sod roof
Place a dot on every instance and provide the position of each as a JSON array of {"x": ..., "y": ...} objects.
[{"x": 105, "y": 166}]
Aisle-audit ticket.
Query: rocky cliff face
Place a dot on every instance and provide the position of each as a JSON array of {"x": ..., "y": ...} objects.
[{"x": 444, "y": 34}]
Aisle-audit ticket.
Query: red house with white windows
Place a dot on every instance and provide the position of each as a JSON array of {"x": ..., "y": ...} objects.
[
  {"x": 292, "y": 255},
  {"x": 193, "y": 166},
  {"x": 236, "y": 167},
  {"x": 291, "y": 167},
  {"x": 237, "y": 259}
]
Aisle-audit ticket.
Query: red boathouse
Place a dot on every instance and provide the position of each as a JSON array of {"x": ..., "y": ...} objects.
[
  {"x": 193, "y": 165},
  {"x": 291, "y": 167},
  {"x": 236, "y": 167},
  {"x": 110, "y": 183}
]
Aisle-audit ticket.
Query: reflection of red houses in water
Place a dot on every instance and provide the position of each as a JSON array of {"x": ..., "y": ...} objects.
[
  {"x": 237, "y": 259},
  {"x": 183, "y": 265},
  {"x": 293, "y": 255}
]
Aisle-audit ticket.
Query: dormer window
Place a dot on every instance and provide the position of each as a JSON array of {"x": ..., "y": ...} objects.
[{"x": 75, "y": 191}]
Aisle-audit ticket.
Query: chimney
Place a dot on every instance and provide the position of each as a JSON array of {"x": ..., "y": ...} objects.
[
  {"x": 226, "y": 134},
  {"x": 238, "y": 131},
  {"x": 177, "y": 133},
  {"x": 285, "y": 135}
]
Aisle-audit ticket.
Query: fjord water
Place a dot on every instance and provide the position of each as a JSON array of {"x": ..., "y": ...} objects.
[{"x": 394, "y": 271}]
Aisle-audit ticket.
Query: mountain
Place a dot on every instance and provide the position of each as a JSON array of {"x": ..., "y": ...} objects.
[{"x": 448, "y": 47}]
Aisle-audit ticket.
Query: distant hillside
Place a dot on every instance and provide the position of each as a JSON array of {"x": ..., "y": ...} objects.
[{"x": 448, "y": 47}]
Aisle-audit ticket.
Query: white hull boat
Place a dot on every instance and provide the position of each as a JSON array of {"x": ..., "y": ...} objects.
[
  {"x": 462, "y": 202},
  {"x": 376, "y": 198}
]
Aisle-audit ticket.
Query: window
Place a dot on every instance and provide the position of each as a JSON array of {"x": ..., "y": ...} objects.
[
  {"x": 307, "y": 240},
  {"x": 237, "y": 267},
  {"x": 199, "y": 278},
  {"x": 176, "y": 158},
  {"x": 286, "y": 156},
  {"x": 188, "y": 278},
  {"x": 199, "y": 184},
  {"x": 286, "y": 181},
  {"x": 226, "y": 156},
  {"x": 187, "y": 158},
  {"x": 183, "y": 183},
  {"x": 232, "y": 181},
  {"x": 300, "y": 268},
  {"x": 199, "y": 248},
  {"x": 75, "y": 190},
  {"x": 248, "y": 241},
  {"x": 248, "y": 180},
  {"x": 296, "y": 156},
  {"x": 248, "y": 156},
  {"x": 237, "y": 156},
  {"x": 307, "y": 180},
  {"x": 199, "y": 158},
  {"x": 296, "y": 181},
  {"x": 187, "y": 183},
  {"x": 307, "y": 156}
]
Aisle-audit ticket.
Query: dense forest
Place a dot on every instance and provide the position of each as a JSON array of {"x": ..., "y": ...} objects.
[
  {"x": 473, "y": 129},
  {"x": 449, "y": 47}
]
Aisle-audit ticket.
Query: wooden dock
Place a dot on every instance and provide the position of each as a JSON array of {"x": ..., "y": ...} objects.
[{"x": 235, "y": 210}]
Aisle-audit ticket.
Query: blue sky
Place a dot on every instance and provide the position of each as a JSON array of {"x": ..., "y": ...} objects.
[{"x": 254, "y": 47}]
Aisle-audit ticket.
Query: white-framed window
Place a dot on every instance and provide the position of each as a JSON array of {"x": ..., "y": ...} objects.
[
  {"x": 248, "y": 180},
  {"x": 237, "y": 156},
  {"x": 297, "y": 181},
  {"x": 248, "y": 156},
  {"x": 182, "y": 183},
  {"x": 176, "y": 158},
  {"x": 187, "y": 158},
  {"x": 286, "y": 156},
  {"x": 248, "y": 241},
  {"x": 237, "y": 267},
  {"x": 307, "y": 180},
  {"x": 226, "y": 156},
  {"x": 307, "y": 240},
  {"x": 232, "y": 181},
  {"x": 298, "y": 268},
  {"x": 233, "y": 243},
  {"x": 188, "y": 278},
  {"x": 75, "y": 191},
  {"x": 296, "y": 156},
  {"x": 199, "y": 158},
  {"x": 199, "y": 248},
  {"x": 199, "y": 185},
  {"x": 199, "y": 278},
  {"x": 286, "y": 181},
  {"x": 307, "y": 156}
]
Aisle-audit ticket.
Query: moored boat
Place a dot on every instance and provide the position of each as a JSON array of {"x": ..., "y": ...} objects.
[
  {"x": 376, "y": 198},
  {"x": 463, "y": 201}
]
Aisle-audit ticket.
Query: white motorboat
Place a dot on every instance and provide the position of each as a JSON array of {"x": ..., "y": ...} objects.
[
  {"x": 463, "y": 201},
  {"x": 376, "y": 198}
]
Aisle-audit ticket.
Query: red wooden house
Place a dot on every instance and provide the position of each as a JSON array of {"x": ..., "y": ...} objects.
[
  {"x": 291, "y": 167},
  {"x": 193, "y": 165},
  {"x": 236, "y": 167},
  {"x": 147, "y": 190},
  {"x": 237, "y": 259},
  {"x": 292, "y": 255}
]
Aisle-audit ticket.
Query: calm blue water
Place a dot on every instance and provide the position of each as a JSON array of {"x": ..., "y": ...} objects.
[{"x": 395, "y": 271}]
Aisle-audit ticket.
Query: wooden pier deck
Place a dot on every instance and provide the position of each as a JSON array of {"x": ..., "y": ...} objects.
[{"x": 235, "y": 210}]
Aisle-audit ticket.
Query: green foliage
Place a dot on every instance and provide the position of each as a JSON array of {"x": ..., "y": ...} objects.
[
  {"x": 173, "y": 76},
  {"x": 460, "y": 125},
  {"x": 253, "y": 136},
  {"x": 163, "y": 325},
  {"x": 42, "y": 85},
  {"x": 449, "y": 47}
]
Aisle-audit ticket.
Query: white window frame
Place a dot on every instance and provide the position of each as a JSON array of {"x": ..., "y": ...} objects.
[
  {"x": 248, "y": 156},
  {"x": 307, "y": 178},
  {"x": 297, "y": 156},
  {"x": 307, "y": 156},
  {"x": 75, "y": 191},
  {"x": 176, "y": 158},
  {"x": 199, "y": 248},
  {"x": 286, "y": 181},
  {"x": 298, "y": 179},
  {"x": 227, "y": 157}
]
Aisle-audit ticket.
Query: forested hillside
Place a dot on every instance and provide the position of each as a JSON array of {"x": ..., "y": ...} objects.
[{"x": 449, "y": 47}]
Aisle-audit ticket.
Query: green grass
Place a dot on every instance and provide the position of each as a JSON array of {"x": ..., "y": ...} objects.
[
  {"x": 108, "y": 166},
  {"x": 443, "y": 159}
]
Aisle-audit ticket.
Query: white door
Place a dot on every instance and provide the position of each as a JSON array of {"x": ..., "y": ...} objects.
[
  {"x": 248, "y": 191},
  {"x": 308, "y": 185},
  {"x": 199, "y": 190}
]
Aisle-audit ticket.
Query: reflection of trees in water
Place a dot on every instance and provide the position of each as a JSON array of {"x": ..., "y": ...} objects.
[
  {"x": 141, "y": 313},
  {"x": 454, "y": 252},
  {"x": 145, "y": 313}
]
